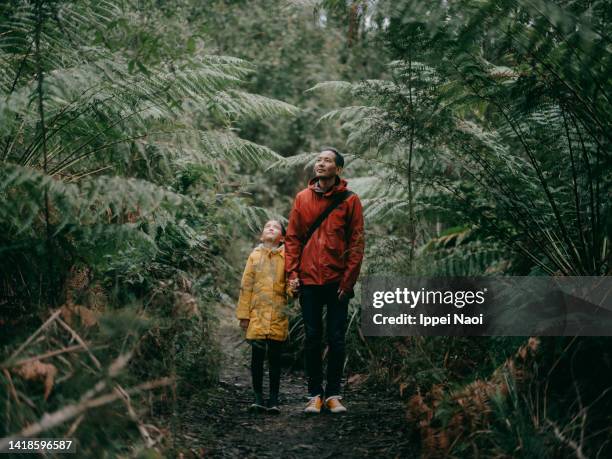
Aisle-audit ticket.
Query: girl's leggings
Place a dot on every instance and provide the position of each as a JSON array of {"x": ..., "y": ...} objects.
[{"x": 258, "y": 354}]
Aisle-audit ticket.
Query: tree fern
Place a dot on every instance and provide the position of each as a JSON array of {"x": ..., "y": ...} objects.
[
  {"x": 512, "y": 143},
  {"x": 115, "y": 136}
]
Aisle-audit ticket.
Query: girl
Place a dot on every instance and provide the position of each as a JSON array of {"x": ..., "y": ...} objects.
[{"x": 261, "y": 311}]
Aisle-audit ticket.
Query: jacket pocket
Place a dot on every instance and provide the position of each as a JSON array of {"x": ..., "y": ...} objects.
[{"x": 334, "y": 251}]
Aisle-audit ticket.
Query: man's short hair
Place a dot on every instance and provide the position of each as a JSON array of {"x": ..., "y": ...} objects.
[{"x": 339, "y": 158}]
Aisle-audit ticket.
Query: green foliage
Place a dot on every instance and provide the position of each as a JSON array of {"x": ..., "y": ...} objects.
[
  {"x": 489, "y": 154},
  {"x": 118, "y": 139},
  {"x": 139, "y": 162},
  {"x": 293, "y": 47},
  {"x": 506, "y": 137},
  {"x": 96, "y": 115}
]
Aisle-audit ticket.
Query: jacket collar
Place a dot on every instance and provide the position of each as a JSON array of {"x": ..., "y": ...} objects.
[
  {"x": 280, "y": 249},
  {"x": 339, "y": 186}
]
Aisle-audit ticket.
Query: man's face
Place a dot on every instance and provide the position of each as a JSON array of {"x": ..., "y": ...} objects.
[{"x": 325, "y": 165}]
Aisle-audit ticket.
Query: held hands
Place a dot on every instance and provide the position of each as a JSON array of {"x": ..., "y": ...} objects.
[
  {"x": 294, "y": 285},
  {"x": 244, "y": 323}
]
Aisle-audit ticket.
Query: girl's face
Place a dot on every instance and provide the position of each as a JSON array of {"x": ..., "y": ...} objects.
[{"x": 272, "y": 232}]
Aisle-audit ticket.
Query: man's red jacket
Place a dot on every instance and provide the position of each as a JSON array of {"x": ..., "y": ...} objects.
[{"x": 335, "y": 250}]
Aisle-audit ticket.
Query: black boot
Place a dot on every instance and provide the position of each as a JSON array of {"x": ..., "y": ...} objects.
[
  {"x": 273, "y": 404},
  {"x": 258, "y": 405}
]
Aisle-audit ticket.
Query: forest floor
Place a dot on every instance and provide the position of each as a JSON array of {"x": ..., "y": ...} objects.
[{"x": 220, "y": 425}]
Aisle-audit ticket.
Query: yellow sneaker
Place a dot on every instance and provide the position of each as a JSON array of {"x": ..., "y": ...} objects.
[
  {"x": 314, "y": 405},
  {"x": 333, "y": 404}
]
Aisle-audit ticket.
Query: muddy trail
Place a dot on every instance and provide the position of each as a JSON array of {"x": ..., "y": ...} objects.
[{"x": 220, "y": 425}]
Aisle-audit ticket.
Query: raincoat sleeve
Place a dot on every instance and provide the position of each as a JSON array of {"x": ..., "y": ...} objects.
[
  {"x": 243, "y": 309},
  {"x": 293, "y": 242},
  {"x": 355, "y": 248}
]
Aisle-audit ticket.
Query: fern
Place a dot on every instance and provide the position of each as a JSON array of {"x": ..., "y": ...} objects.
[
  {"x": 484, "y": 140},
  {"x": 116, "y": 144}
]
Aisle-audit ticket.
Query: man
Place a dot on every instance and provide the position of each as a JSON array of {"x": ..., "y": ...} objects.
[{"x": 324, "y": 270}]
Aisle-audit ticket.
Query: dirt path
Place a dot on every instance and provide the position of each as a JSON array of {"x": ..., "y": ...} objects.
[{"x": 221, "y": 426}]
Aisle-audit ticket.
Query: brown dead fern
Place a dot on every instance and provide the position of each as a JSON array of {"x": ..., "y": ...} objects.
[{"x": 471, "y": 405}]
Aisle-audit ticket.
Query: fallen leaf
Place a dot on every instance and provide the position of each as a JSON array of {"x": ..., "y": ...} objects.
[
  {"x": 356, "y": 379},
  {"x": 38, "y": 371},
  {"x": 186, "y": 305},
  {"x": 88, "y": 317}
]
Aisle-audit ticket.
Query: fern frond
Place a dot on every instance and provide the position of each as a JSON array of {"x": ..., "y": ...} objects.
[
  {"x": 93, "y": 200},
  {"x": 256, "y": 217},
  {"x": 239, "y": 104},
  {"x": 340, "y": 87},
  {"x": 358, "y": 113},
  {"x": 304, "y": 160},
  {"x": 226, "y": 145}
]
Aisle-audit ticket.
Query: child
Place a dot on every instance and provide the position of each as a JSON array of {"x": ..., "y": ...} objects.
[{"x": 261, "y": 311}]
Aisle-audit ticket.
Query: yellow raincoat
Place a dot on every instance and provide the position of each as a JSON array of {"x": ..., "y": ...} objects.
[{"x": 264, "y": 294}]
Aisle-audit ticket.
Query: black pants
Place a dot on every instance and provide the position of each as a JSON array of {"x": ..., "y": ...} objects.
[
  {"x": 312, "y": 300},
  {"x": 258, "y": 355}
]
